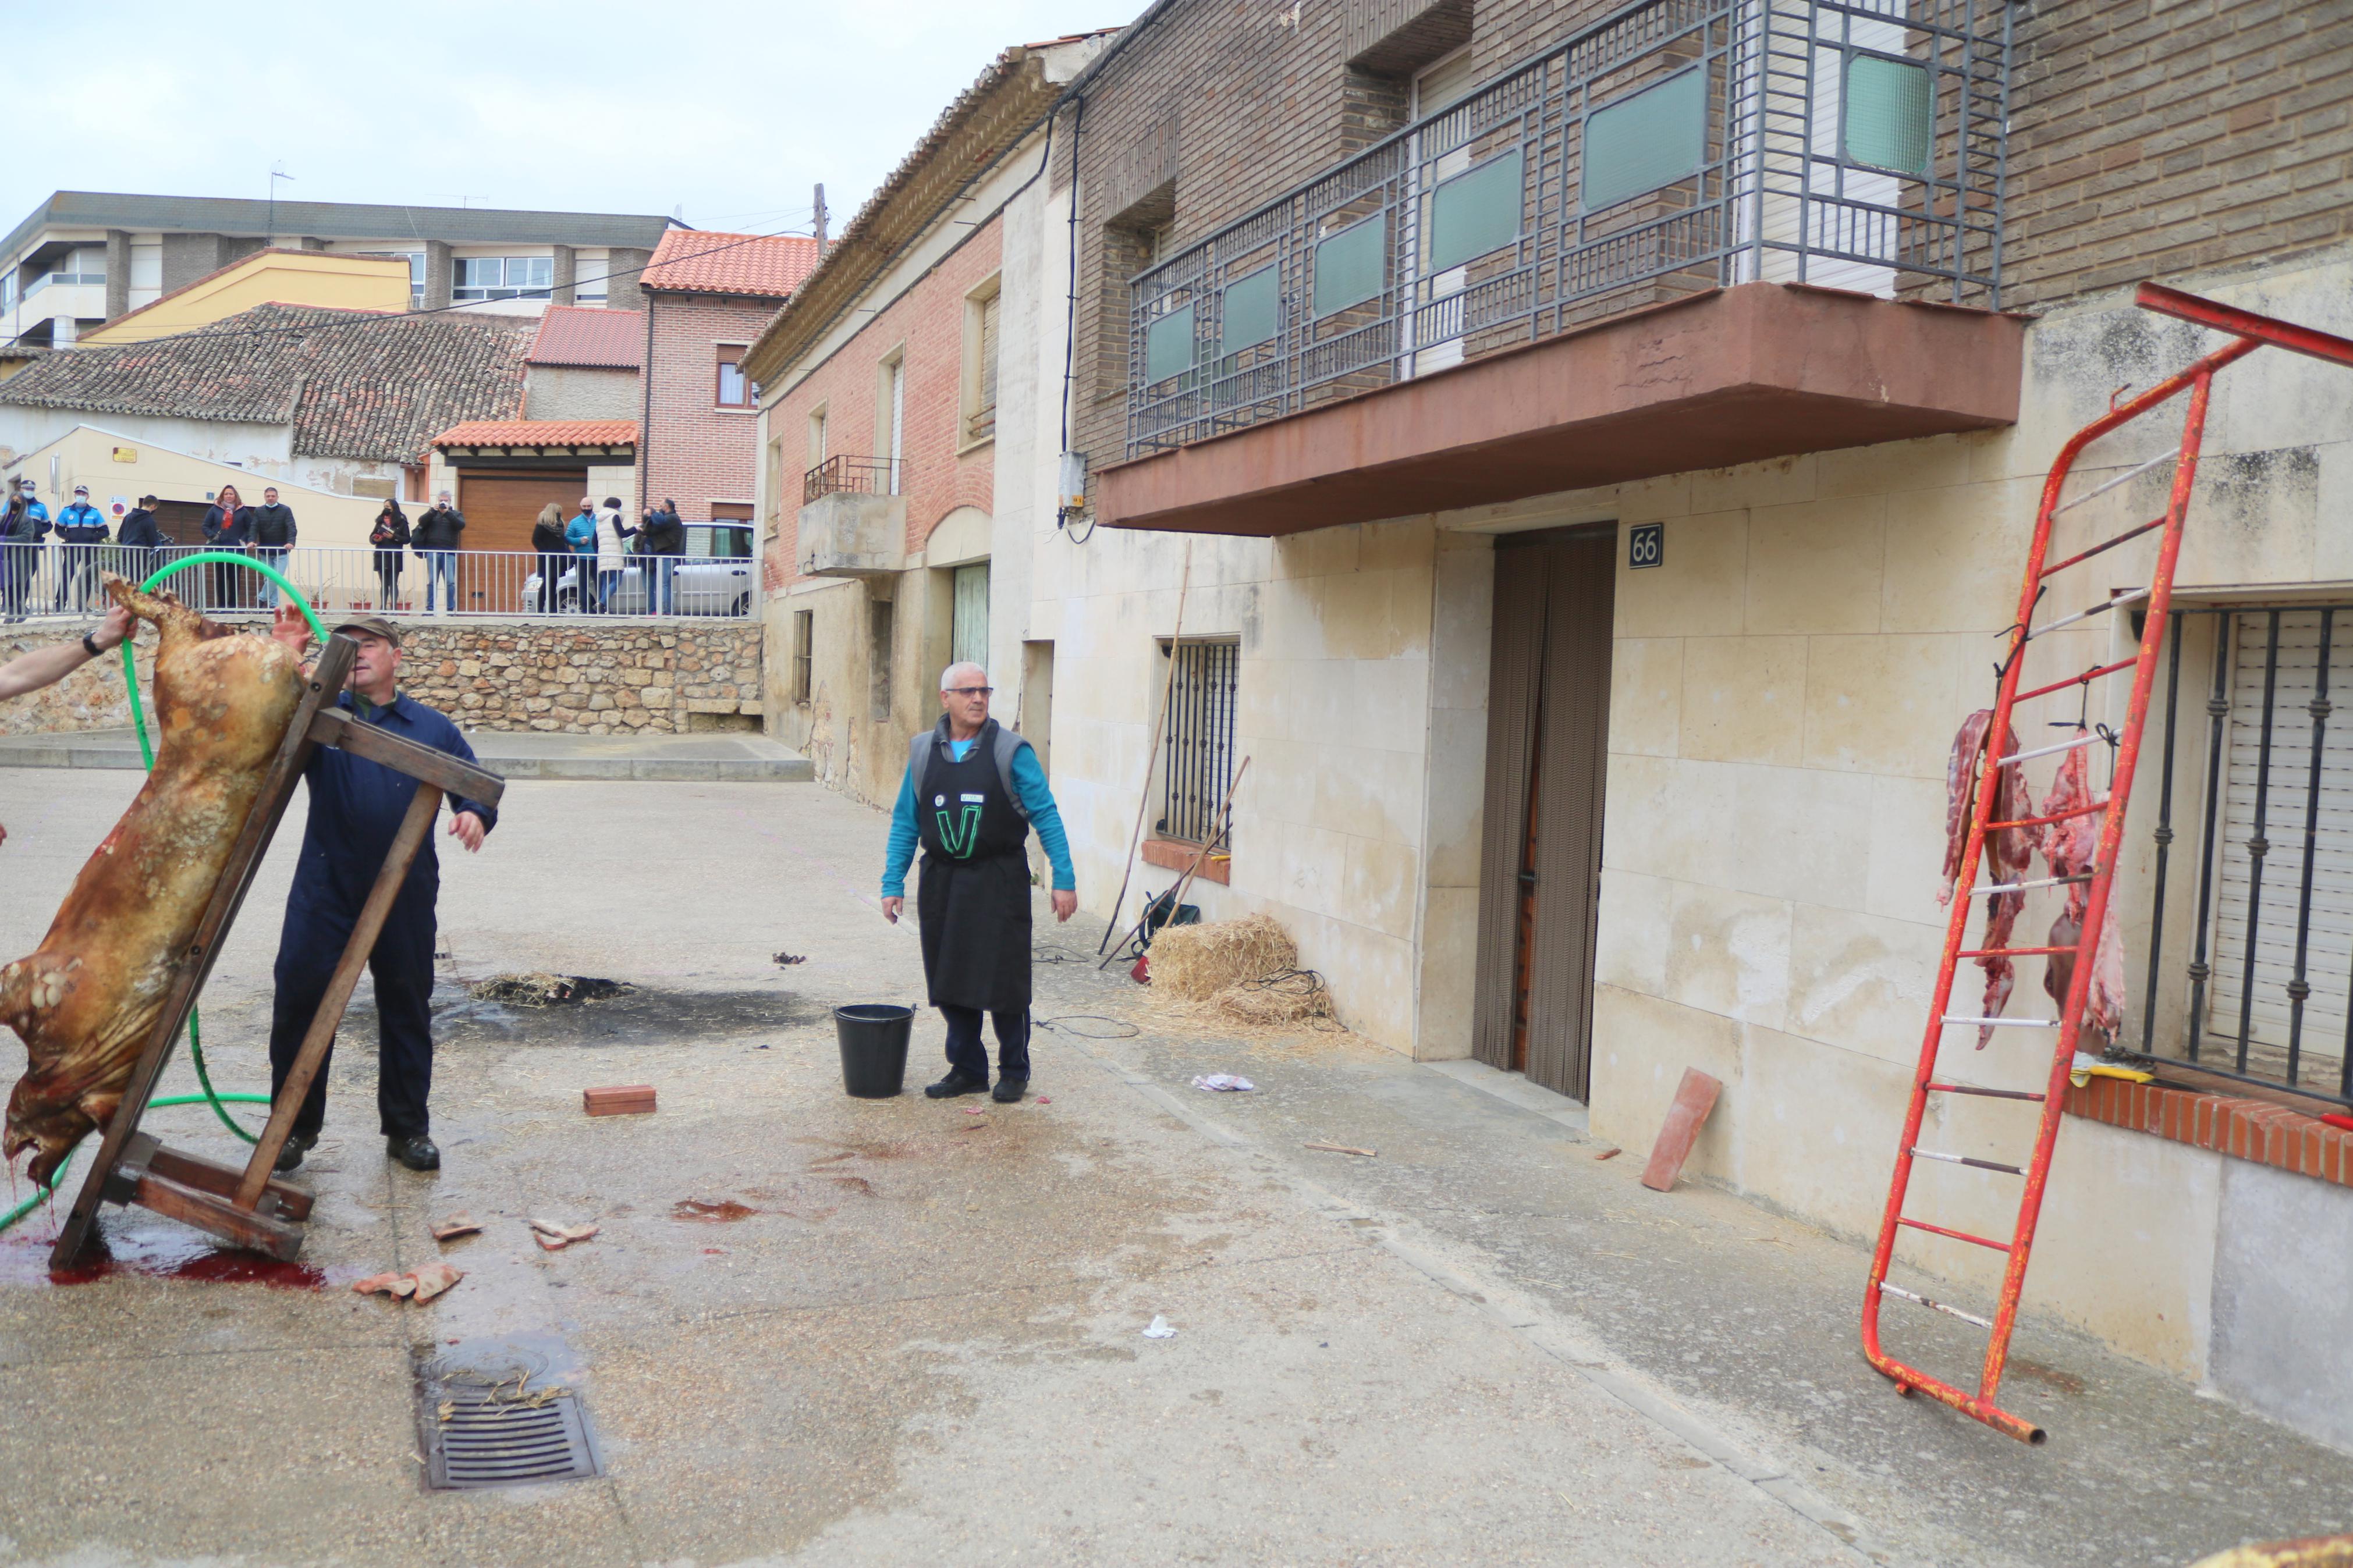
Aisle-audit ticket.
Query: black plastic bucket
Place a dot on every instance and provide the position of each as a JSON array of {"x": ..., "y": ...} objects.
[{"x": 873, "y": 1040}]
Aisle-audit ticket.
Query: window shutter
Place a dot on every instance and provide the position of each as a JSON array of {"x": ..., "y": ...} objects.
[{"x": 983, "y": 423}]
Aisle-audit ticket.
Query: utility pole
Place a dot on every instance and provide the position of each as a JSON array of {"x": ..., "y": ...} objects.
[{"x": 821, "y": 214}]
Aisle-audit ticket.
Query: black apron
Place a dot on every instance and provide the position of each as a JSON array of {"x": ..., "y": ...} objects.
[{"x": 973, "y": 895}]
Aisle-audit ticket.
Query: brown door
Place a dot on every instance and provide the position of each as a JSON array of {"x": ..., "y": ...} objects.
[
  {"x": 500, "y": 509},
  {"x": 1548, "y": 735}
]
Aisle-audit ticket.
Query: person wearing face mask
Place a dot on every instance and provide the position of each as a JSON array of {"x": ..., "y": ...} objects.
[{"x": 81, "y": 529}]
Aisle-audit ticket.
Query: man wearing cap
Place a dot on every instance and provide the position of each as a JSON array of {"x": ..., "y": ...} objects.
[
  {"x": 356, "y": 806},
  {"x": 81, "y": 528},
  {"x": 140, "y": 537}
]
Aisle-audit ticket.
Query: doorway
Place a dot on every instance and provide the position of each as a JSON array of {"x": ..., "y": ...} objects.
[
  {"x": 500, "y": 510},
  {"x": 1540, "y": 859}
]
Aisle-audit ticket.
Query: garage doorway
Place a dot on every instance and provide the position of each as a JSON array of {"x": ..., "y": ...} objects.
[
  {"x": 1547, "y": 749},
  {"x": 500, "y": 509}
]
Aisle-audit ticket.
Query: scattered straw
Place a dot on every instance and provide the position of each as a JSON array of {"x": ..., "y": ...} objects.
[{"x": 1195, "y": 963}]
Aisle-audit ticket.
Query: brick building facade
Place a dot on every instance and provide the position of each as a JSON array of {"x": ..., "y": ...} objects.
[{"x": 707, "y": 297}]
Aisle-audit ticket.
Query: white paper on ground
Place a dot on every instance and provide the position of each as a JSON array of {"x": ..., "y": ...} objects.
[
  {"x": 1159, "y": 1329},
  {"x": 1223, "y": 1083}
]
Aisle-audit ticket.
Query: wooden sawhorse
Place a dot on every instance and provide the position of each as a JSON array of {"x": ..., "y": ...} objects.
[{"x": 248, "y": 1208}]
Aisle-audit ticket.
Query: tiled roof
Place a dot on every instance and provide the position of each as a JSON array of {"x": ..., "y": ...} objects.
[
  {"x": 585, "y": 335},
  {"x": 353, "y": 383},
  {"x": 540, "y": 433},
  {"x": 703, "y": 261}
]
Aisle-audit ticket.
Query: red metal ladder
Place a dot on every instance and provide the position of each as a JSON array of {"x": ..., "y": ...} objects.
[{"x": 2250, "y": 331}]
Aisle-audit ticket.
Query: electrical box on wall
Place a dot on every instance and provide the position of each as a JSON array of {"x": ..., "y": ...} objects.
[{"x": 1073, "y": 486}]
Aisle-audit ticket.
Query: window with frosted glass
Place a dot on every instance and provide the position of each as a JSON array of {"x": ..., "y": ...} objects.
[
  {"x": 1251, "y": 311},
  {"x": 1348, "y": 265},
  {"x": 1475, "y": 212},
  {"x": 1168, "y": 345},
  {"x": 1890, "y": 113},
  {"x": 1650, "y": 139}
]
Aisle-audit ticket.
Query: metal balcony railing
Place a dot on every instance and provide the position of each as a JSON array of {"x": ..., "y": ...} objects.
[
  {"x": 1675, "y": 147},
  {"x": 858, "y": 476}
]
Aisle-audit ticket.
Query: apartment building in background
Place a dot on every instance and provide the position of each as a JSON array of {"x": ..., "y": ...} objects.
[
  {"x": 707, "y": 296},
  {"x": 83, "y": 259},
  {"x": 1595, "y": 449}
]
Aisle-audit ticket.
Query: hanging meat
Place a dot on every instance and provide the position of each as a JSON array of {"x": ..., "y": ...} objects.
[
  {"x": 2009, "y": 853},
  {"x": 87, "y": 999},
  {"x": 2069, "y": 847}
]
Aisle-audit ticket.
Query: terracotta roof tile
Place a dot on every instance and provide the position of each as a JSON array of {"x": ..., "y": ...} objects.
[
  {"x": 701, "y": 261},
  {"x": 584, "y": 335},
  {"x": 540, "y": 433},
  {"x": 353, "y": 383}
]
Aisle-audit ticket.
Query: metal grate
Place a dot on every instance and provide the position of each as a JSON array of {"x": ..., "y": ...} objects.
[
  {"x": 498, "y": 1427},
  {"x": 1199, "y": 765}
]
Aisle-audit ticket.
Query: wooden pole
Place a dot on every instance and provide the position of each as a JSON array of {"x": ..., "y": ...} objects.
[
  {"x": 1152, "y": 751},
  {"x": 1185, "y": 881},
  {"x": 330, "y": 1016}
]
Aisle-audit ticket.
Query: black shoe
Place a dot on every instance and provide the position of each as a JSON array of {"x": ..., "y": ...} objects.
[
  {"x": 297, "y": 1145},
  {"x": 417, "y": 1153},
  {"x": 956, "y": 1083},
  {"x": 1009, "y": 1090}
]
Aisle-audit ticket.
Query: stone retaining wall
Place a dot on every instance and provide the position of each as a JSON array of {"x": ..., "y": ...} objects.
[{"x": 594, "y": 679}]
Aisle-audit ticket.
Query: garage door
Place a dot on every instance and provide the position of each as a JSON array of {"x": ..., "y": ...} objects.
[{"x": 500, "y": 510}]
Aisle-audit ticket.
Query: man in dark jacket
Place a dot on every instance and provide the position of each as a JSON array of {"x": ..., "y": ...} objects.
[
  {"x": 140, "y": 537},
  {"x": 22, "y": 526},
  {"x": 661, "y": 538},
  {"x": 435, "y": 538},
  {"x": 273, "y": 537},
  {"x": 82, "y": 528}
]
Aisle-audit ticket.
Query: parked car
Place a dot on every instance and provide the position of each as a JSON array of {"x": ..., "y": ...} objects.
[{"x": 714, "y": 578}]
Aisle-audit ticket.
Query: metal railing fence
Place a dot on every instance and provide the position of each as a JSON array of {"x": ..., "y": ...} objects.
[
  {"x": 1675, "y": 147},
  {"x": 856, "y": 476},
  {"x": 2267, "y": 996},
  {"x": 49, "y": 580}
]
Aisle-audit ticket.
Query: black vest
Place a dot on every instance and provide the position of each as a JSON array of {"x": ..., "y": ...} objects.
[{"x": 965, "y": 814}]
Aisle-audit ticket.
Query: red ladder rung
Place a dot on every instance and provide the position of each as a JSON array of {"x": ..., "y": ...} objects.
[
  {"x": 2077, "y": 560},
  {"x": 1956, "y": 1235},
  {"x": 1946, "y": 1308},
  {"x": 1987, "y": 1093},
  {"x": 2039, "y": 821},
  {"x": 2013, "y": 951},
  {"x": 2083, "y": 680}
]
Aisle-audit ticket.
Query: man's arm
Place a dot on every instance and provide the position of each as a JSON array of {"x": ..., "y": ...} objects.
[
  {"x": 469, "y": 820},
  {"x": 47, "y": 666},
  {"x": 292, "y": 533},
  {"x": 900, "y": 852},
  {"x": 1038, "y": 800}
]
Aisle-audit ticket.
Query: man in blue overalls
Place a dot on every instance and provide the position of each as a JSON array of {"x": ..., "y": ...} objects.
[
  {"x": 355, "y": 810},
  {"x": 971, "y": 794}
]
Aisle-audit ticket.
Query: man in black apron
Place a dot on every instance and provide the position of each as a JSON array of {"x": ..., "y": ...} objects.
[{"x": 972, "y": 792}]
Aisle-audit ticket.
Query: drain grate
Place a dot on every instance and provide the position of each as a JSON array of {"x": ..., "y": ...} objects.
[{"x": 489, "y": 1425}]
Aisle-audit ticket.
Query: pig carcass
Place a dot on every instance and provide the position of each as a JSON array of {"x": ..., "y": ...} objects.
[
  {"x": 86, "y": 1000},
  {"x": 2008, "y": 852},
  {"x": 2069, "y": 848}
]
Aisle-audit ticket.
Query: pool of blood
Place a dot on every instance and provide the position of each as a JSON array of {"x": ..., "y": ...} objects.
[{"x": 141, "y": 1249}]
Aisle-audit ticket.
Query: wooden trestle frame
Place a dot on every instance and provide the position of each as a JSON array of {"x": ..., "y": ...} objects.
[{"x": 250, "y": 1208}]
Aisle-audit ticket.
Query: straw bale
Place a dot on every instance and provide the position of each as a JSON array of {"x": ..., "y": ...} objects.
[
  {"x": 1283, "y": 997},
  {"x": 1195, "y": 963}
]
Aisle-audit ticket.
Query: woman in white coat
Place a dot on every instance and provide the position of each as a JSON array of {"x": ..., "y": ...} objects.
[{"x": 612, "y": 553}]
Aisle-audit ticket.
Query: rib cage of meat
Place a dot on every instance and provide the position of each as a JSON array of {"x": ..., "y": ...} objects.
[
  {"x": 2067, "y": 847},
  {"x": 86, "y": 1000}
]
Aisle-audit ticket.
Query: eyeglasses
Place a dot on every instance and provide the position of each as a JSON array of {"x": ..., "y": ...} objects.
[{"x": 970, "y": 690}]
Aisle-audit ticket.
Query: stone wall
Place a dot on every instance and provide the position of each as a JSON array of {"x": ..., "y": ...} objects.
[{"x": 604, "y": 679}]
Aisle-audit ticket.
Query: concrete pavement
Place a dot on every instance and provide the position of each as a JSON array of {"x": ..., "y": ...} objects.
[{"x": 821, "y": 1330}]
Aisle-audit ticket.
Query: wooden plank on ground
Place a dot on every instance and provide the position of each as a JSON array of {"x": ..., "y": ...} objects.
[{"x": 1694, "y": 1098}]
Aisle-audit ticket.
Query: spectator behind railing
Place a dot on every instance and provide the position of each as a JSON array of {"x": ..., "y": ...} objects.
[
  {"x": 581, "y": 534},
  {"x": 228, "y": 525},
  {"x": 83, "y": 524},
  {"x": 139, "y": 538},
  {"x": 273, "y": 536},
  {"x": 612, "y": 552},
  {"x": 436, "y": 538},
  {"x": 554, "y": 553},
  {"x": 22, "y": 528},
  {"x": 389, "y": 534},
  {"x": 661, "y": 539}
]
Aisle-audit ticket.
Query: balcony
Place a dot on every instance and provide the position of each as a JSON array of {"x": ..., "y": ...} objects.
[
  {"x": 1701, "y": 232},
  {"x": 853, "y": 518}
]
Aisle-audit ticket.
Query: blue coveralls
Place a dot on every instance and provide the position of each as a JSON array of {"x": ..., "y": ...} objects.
[{"x": 355, "y": 811}]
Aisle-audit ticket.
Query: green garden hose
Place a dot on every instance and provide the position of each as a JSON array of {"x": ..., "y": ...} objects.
[{"x": 208, "y": 1096}]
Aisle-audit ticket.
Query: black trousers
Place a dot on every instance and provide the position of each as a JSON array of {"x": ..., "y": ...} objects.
[
  {"x": 402, "y": 964},
  {"x": 969, "y": 1056}
]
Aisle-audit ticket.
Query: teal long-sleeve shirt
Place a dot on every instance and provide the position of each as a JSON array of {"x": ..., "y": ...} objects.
[{"x": 1037, "y": 799}]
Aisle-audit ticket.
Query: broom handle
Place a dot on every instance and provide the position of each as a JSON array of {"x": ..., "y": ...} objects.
[{"x": 1151, "y": 752}]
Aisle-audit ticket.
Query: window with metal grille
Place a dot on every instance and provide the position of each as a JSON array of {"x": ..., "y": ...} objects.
[
  {"x": 804, "y": 638},
  {"x": 1197, "y": 761}
]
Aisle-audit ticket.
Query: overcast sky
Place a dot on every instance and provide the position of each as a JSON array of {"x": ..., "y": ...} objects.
[{"x": 729, "y": 108}]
